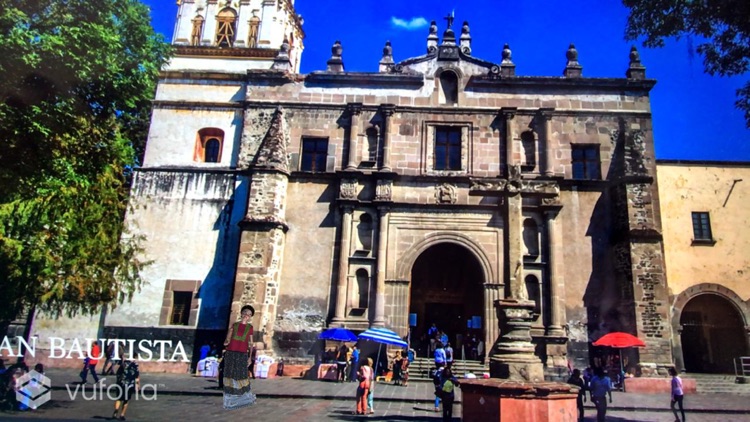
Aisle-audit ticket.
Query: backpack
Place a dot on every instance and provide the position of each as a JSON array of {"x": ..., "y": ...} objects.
[{"x": 448, "y": 387}]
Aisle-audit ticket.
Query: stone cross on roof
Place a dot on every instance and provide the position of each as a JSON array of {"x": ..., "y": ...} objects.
[{"x": 449, "y": 18}]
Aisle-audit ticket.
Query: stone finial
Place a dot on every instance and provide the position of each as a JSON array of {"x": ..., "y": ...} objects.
[
  {"x": 386, "y": 63},
  {"x": 336, "y": 62},
  {"x": 432, "y": 38},
  {"x": 507, "y": 67},
  {"x": 465, "y": 39},
  {"x": 636, "y": 70},
  {"x": 573, "y": 69},
  {"x": 282, "y": 60}
]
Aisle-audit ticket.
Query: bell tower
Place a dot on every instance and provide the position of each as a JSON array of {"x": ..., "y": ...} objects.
[{"x": 235, "y": 35}]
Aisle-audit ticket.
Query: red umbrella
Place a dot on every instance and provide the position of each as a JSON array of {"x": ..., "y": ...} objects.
[{"x": 619, "y": 340}]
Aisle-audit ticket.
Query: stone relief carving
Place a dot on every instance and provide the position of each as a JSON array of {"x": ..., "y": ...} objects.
[
  {"x": 445, "y": 194},
  {"x": 348, "y": 189},
  {"x": 383, "y": 191},
  {"x": 514, "y": 186}
]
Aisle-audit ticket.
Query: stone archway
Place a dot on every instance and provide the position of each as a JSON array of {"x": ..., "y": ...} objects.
[
  {"x": 447, "y": 288},
  {"x": 709, "y": 323}
]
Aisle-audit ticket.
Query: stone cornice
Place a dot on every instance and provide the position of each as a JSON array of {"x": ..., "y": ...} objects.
[
  {"x": 365, "y": 79},
  {"x": 224, "y": 52},
  {"x": 569, "y": 84}
]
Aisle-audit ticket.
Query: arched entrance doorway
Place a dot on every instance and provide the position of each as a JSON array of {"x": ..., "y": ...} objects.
[
  {"x": 447, "y": 290},
  {"x": 712, "y": 334}
]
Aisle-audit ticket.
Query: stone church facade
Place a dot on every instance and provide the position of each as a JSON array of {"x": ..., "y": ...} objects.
[{"x": 355, "y": 199}]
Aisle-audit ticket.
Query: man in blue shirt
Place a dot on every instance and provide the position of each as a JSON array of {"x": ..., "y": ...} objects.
[
  {"x": 439, "y": 355},
  {"x": 354, "y": 363},
  {"x": 599, "y": 387}
]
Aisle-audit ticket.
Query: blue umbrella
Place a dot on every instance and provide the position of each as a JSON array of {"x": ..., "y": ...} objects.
[
  {"x": 338, "y": 334},
  {"x": 382, "y": 336}
]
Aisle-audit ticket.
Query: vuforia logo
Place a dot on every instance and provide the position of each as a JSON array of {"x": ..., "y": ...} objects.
[
  {"x": 102, "y": 391},
  {"x": 34, "y": 389}
]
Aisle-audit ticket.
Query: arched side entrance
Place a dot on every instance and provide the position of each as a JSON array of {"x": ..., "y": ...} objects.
[
  {"x": 709, "y": 323},
  {"x": 447, "y": 289}
]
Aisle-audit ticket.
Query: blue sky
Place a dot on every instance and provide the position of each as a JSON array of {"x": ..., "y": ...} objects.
[{"x": 693, "y": 114}]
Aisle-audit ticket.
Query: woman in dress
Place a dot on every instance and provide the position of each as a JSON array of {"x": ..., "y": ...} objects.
[{"x": 237, "y": 346}]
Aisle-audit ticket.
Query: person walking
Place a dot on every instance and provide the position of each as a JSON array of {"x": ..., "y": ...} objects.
[
  {"x": 364, "y": 376},
  {"x": 128, "y": 384},
  {"x": 575, "y": 379},
  {"x": 109, "y": 363},
  {"x": 677, "y": 395},
  {"x": 439, "y": 355},
  {"x": 449, "y": 384},
  {"x": 237, "y": 345},
  {"x": 437, "y": 380},
  {"x": 404, "y": 368},
  {"x": 89, "y": 364},
  {"x": 600, "y": 387}
]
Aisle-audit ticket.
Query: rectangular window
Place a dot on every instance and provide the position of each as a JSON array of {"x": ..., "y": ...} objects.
[
  {"x": 181, "y": 308},
  {"x": 586, "y": 163},
  {"x": 447, "y": 148},
  {"x": 314, "y": 154},
  {"x": 701, "y": 226}
]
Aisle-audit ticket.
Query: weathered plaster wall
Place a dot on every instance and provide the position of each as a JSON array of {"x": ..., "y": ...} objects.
[{"x": 702, "y": 187}]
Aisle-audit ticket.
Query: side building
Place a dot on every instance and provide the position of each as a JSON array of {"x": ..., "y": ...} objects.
[{"x": 707, "y": 251}]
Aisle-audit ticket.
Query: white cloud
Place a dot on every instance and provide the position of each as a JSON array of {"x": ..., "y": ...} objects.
[{"x": 414, "y": 23}]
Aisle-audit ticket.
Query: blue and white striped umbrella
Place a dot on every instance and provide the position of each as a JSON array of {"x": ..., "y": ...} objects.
[{"x": 382, "y": 335}]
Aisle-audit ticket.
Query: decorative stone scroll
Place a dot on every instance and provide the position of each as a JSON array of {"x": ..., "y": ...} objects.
[
  {"x": 445, "y": 194},
  {"x": 383, "y": 190},
  {"x": 348, "y": 189},
  {"x": 514, "y": 186}
]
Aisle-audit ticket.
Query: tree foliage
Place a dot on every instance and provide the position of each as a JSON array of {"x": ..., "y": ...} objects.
[
  {"x": 723, "y": 24},
  {"x": 76, "y": 81}
]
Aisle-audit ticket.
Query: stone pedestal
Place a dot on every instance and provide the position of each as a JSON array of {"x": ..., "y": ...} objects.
[
  {"x": 512, "y": 356},
  {"x": 510, "y": 401}
]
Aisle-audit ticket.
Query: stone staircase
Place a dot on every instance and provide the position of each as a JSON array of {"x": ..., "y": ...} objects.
[
  {"x": 718, "y": 383},
  {"x": 421, "y": 369}
]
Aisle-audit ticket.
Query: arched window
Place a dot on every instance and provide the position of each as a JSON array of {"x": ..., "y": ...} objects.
[
  {"x": 208, "y": 145},
  {"x": 364, "y": 232},
  {"x": 449, "y": 86},
  {"x": 212, "y": 150},
  {"x": 363, "y": 287},
  {"x": 195, "y": 36},
  {"x": 225, "y": 27}
]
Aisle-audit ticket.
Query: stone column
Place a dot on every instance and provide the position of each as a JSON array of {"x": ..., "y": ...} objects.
[
  {"x": 380, "y": 287},
  {"x": 557, "y": 302},
  {"x": 387, "y": 110},
  {"x": 546, "y": 115},
  {"x": 341, "y": 288},
  {"x": 510, "y": 157},
  {"x": 355, "y": 109},
  {"x": 492, "y": 292}
]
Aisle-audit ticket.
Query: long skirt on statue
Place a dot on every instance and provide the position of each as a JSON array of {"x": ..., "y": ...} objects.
[{"x": 236, "y": 382}]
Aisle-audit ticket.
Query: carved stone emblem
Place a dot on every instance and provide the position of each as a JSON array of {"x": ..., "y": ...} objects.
[
  {"x": 348, "y": 189},
  {"x": 383, "y": 190},
  {"x": 445, "y": 194}
]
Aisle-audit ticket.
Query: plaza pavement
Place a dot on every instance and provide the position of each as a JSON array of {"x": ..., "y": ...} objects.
[{"x": 186, "y": 398}]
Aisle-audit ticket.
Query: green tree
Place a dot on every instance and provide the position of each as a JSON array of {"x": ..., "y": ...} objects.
[
  {"x": 76, "y": 81},
  {"x": 724, "y": 25}
]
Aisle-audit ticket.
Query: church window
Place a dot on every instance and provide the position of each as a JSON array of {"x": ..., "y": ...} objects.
[
  {"x": 213, "y": 148},
  {"x": 701, "y": 227},
  {"x": 586, "y": 163},
  {"x": 449, "y": 86},
  {"x": 195, "y": 36},
  {"x": 208, "y": 145},
  {"x": 252, "y": 37},
  {"x": 225, "y": 28},
  {"x": 180, "y": 303},
  {"x": 447, "y": 148},
  {"x": 181, "y": 308},
  {"x": 528, "y": 143},
  {"x": 314, "y": 154}
]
